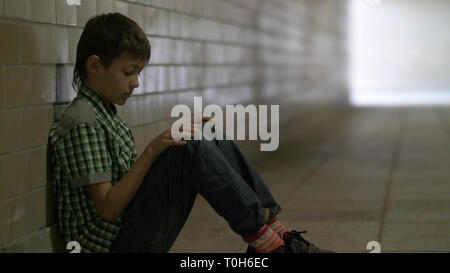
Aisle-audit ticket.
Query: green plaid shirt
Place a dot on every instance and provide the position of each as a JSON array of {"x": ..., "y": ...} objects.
[{"x": 89, "y": 144}]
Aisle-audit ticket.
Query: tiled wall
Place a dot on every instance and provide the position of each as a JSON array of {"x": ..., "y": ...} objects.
[{"x": 227, "y": 51}]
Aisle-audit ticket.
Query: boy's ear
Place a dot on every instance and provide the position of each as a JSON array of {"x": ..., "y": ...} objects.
[{"x": 94, "y": 64}]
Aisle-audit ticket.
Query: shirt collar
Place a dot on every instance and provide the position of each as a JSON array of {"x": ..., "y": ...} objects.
[{"x": 88, "y": 93}]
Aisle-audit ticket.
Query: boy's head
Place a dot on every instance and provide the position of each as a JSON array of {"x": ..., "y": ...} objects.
[{"x": 112, "y": 51}]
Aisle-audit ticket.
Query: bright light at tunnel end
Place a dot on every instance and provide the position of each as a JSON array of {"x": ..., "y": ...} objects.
[{"x": 399, "y": 97}]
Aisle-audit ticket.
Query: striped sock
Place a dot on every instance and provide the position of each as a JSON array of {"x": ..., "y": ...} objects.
[
  {"x": 277, "y": 227},
  {"x": 265, "y": 241}
]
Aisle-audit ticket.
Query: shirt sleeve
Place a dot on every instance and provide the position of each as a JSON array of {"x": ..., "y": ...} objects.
[{"x": 84, "y": 155}]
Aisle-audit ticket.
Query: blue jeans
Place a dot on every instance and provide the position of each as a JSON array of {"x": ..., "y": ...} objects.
[{"x": 215, "y": 169}]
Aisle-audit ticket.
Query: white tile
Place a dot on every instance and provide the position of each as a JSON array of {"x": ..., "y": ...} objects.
[
  {"x": 18, "y": 9},
  {"x": 74, "y": 37},
  {"x": 17, "y": 90},
  {"x": 105, "y": 6},
  {"x": 9, "y": 49},
  {"x": 163, "y": 79},
  {"x": 86, "y": 11},
  {"x": 43, "y": 11},
  {"x": 44, "y": 84},
  {"x": 163, "y": 23},
  {"x": 44, "y": 44},
  {"x": 168, "y": 4},
  {"x": 64, "y": 89},
  {"x": 121, "y": 7},
  {"x": 150, "y": 20},
  {"x": 151, "y": 79},
  {"x": 137, "y": 14},
  {"x": 175, "y": 21},
  {"x": 65, "y": 14},
  {"x": 174, "y": 77}
]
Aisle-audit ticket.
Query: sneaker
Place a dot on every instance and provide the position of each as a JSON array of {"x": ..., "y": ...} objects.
[
  {"x": 294, "y": 243},
  {"x": 297, "y": 244},
  {"x": 281, "y": 249}
]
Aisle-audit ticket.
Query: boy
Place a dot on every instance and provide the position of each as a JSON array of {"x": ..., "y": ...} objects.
[{"x": 110, "y": 200}]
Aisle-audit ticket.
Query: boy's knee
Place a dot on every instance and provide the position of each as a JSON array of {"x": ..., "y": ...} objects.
[{"x": 201, "y": 144}]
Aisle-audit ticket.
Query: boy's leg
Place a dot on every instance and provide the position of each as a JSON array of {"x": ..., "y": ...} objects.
[
  {"x": 161, "y": 206},
  {"x": 230, "y": 195},
  {"x": 241, "y": 165},
  {"x": 224, "y": 188}
]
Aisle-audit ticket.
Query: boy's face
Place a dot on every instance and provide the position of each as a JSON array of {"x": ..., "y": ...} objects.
[{"x": 116, "y": 82}]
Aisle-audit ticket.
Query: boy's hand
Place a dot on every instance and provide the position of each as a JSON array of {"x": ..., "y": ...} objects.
[{"x": 163, "y": 141}]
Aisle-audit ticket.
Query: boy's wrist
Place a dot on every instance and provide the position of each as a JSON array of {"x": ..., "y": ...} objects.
[{"x": 149, "y": 151}]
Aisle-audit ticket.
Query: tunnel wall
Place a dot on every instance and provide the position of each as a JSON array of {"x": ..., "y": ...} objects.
[{"x": 286, "y": 52}]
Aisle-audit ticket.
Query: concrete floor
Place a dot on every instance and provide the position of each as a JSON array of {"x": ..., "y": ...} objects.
[{"x": 359, "y": 175}]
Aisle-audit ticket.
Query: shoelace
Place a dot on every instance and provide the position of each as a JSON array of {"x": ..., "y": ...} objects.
[{"x": 288, "y": 236}]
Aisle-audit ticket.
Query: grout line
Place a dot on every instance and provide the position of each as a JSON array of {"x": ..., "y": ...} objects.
[
  {"x": 24, "y": 150},
  {"x": 320, "y": 162},
  {"x": 312, "y": 171},
  {"x": 393, "y": 167},
  {"x": 223, "y": 21},
  {"x": 137, "y": 126},
  {"x": 39, "y": 147},
  {"x": 169, "y": 118},
  {"x": 156, "y": 93},
  {"x": 26, "y": 107},
  {"x": 180, "y": 64},
  {"x": 262, "y": 12},
  {"x": 24, "y": 237},
  {"x": 207, "y": 41},
  {"x": 189, "y": 14},
  {"x": 20, "y": 196}
]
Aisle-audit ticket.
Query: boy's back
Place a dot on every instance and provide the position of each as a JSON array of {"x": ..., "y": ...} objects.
[
  {"x": 91, "y": 146},
  {"x": 90, "y": 143}
]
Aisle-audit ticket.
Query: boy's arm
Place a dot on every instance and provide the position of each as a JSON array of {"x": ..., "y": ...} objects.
[{"x": 110, "y": 201}]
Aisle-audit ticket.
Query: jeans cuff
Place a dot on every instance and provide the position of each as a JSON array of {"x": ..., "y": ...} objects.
[{"x": 273, "y": 212}]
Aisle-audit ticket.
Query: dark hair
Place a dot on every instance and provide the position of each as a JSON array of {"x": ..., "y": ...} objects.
[{"x": 109, "y": 36}]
